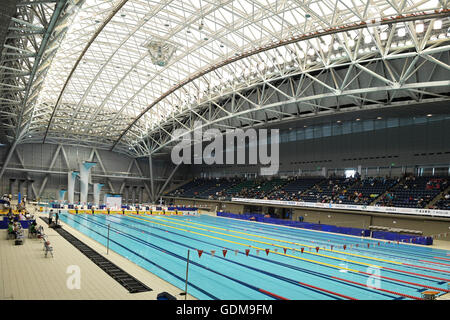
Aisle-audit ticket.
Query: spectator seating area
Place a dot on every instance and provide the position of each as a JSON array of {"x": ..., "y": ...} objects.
[
  {"x": 408, "y": 191},
  {"x": 329, "y": 190},
  {"x": 365, "y": 191},
  {"x": 413, "y": 192},
  {"x": 294, "y": 188},
  {"x": 444, "y": 202}
]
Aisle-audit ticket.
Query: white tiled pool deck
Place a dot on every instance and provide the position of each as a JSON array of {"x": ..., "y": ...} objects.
[{"x": 25, "y": 273}]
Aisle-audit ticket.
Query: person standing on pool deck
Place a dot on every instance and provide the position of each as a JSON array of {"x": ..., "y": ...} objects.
[
  {"x": 50, "y": 217},
  {"x": 56, "y": 217}
]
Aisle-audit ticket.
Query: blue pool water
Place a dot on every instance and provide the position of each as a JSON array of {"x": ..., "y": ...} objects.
[{"x": 160, "y": 244}]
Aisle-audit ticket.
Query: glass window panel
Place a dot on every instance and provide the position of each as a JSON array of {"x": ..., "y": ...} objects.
[
  {"x": 357, "y": 126},
  {"x": 337, "y": 129},
  {"x": 368, "y": 125},
  {"x": 380, "y": 124},
  {"x": 420, "y": 120},
  {"x": 392, "y": 122},
  {"x": 318, "y": 132},
  {"x": 300, "y": 134},
  {"x": 406, "y": 121},
  {"x": 346, "y": 127},
  {"x": 292, "y": 135},
  {"x": 326, "y": 130}
]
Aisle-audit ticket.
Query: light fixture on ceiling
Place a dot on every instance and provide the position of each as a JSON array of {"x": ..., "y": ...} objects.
[
  {"x": 429, "y": 115},
  {"x": 437, "y": 24},
  {"x": 420, "y": 27}
]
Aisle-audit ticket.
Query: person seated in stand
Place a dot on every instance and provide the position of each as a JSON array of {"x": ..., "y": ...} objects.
[
  {"x": 11, "y": 229},
  {"x": 32, "y": 230},
  {"x": 17, "y": 228},
  {"x": 10, "y": 215}
]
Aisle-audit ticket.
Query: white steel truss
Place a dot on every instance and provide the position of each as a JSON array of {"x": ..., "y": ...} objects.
[{"x": 237, "y": 63}]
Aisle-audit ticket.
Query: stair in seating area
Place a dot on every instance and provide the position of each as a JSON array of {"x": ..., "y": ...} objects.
[{"x": 437, "y": 198}]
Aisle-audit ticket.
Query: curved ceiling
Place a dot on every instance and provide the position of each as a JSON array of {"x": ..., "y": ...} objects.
[{"x": 103, "y": 86}]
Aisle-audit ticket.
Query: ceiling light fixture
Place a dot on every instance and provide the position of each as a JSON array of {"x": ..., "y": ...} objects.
[
  {"x": 437, "y": 24},
  {"x": 420, "y": 27}
]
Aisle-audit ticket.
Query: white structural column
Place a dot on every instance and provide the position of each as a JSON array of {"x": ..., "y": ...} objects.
[
  {"x": 71, "y": 178},
  {"x": 97, "y": 188},
  {"x": 61, "y": 194},
  {"x": 85, "y": 169}
]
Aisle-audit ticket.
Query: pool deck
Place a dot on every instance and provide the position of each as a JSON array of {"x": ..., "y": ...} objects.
[{"x": 25, "y": 273}]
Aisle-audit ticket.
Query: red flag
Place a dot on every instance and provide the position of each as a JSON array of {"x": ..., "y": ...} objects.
[
  {"x": 224, "y": 253},
  {"x": 345, "y": 246},
  {"x": 247, "y": 251},
  {"x": 356, "y": 245},
  {"x": 301, "y": 249},
  {"x": 267, "y": 251},
  {"x": 368, "y": 245},
  {"x": 389, "y": 242},
  {"x": 284, "y": 249},
  {"x": 213, "y": 252},
  {"x": 199, "y": 253},
  {"x": 317, "y": 249},
  {"x": 236, "y": 252},
  {"x": 378, "y": 243}
]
